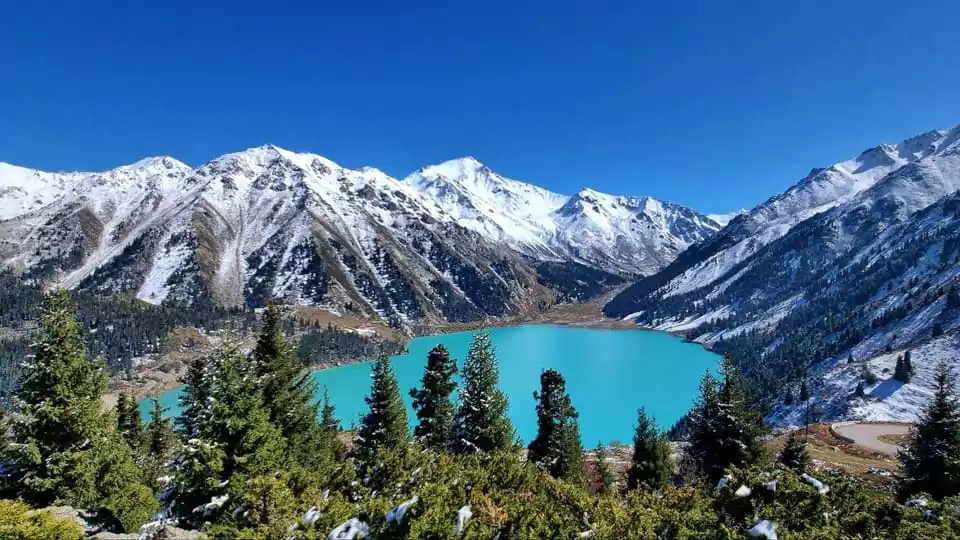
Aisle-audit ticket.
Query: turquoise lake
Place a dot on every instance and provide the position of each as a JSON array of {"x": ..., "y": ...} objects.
[{"x": 609, "y": 373}]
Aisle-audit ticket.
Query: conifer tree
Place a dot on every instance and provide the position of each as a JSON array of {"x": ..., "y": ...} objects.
[
  {"x": 805, "y": 400},
  {"x": 556, "y": 448},
  {"x": 385, "y": 424},
  {"x": 160, "y": 436},
  {"x": 193, "y": 399},
  {"x": 931, "y": 463},
  {"x": 899, "y": 371},
  {"x": 605, "y": 475},
  {"x": 233, "y": 435},
  {"x": 937, "y": 330},
  {"x": 328, "y": 416},
  {"x": 794, "y": 454},
  {"x": 432, "y": 402},
  {"x": 953, "y": 298},
  {"x": 907, "y": 364},
  {"x": 703, "y": 427},
  {"x": 859, "y": 392},
  {"x": 650, "y": 466},
  {"x": 67, "y": 450},
  {"x": 289, "y": 392},
  {"x": 726, "y": 428},
  {"x": 128, "y": 420},
  {"x": 481, "y": 422},
  {"x": 330, "y": 447}
]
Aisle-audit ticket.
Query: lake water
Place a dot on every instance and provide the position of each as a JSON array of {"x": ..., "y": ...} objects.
[{"x": 609, "y": 373}]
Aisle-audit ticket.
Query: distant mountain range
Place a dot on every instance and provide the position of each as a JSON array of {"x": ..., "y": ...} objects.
[
  {"x": 452, "y": 242},
  {"x": 824, "y": 282},
  {"x": 855, "y": 260}
]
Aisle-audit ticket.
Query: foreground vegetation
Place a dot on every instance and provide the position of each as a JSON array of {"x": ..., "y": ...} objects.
[{"x": 254, "y": 455}]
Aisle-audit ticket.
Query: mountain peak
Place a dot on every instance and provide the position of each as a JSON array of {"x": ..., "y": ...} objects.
[
  {"x": 454, "y": 168},
  {"x": 157, "y": 162}
]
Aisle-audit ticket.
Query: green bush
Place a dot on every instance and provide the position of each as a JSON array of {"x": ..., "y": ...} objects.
[{"x": 17, "y": 522}]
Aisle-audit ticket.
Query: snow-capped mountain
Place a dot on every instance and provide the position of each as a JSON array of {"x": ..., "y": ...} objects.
[
  {"x": 821, "y": 190},
  {"x": 254, "y": 225},
  {"x": 853, "y": 259},
  {"x": 724, "y": 219},
  {"x": 627, "y": 235}
]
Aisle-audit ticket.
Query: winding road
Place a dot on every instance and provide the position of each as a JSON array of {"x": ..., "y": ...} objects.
[{"x": 866, "y": 435}]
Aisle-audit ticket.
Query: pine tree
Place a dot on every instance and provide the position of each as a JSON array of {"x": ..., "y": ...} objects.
[
  {"x": 907, "y": 365},
  {"x": 67, "y": 450},
  {"x": 953, "y": 298},
  {"x": 937, "y": 330},
  {"x": 385, "y": 425},
  {"x": 193, "y": 399},
  {"x": 651, "y": 465},
  {"x": 804, "y": 393},
  {"x": 432, "y": 403},
  {"x": 605, "y": 475},
  {"x": 160, "y": 436},
  {"x": 233, "y": 435},
  {"x": 794, "y": 454},
  {"x": 931, "y": 463},
  {"x": 128, "y": 420},
  {"x": 900, "y": 371},
  {"x": 556, "y": 448},
  {"x": 726, "y": 428},
  {"x": 328, "y": 416},
  {"x": 703, "y": 422},
  {"x": 330, "y": 446},
  {"x": 289, "y": 392},
  {"x": 859, "y": 392},
  {"x": 481, "y": 422}
]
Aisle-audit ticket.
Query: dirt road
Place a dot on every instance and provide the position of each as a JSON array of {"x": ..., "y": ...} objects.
[{"x": 866, "y": 435}]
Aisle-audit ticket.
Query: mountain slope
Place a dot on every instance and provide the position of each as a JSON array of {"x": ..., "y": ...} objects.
[
  {"x": 790, "y": 297},
  {"x": 267, "y": 223},
  {"x": 818, "y": 192},
  {"x": 627, "y": 235}
]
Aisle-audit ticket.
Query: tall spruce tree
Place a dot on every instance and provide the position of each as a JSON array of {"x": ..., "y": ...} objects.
[
  {"x": 128, "y": 420},
  {"x": 937, "y": 329},
  {"x": 432, "y": 402},
  {"x": 605, "y": 477},
  {"x": 931, "y": 463},
  {"x": 650, "y": 466},
  {"x": 193, "y": 399},
  {"x": 903, "y": 370},
  {"x": 794, "y": 454},
  {"x": 727, "y": 429},
  {"x": 805, "y": 400},
  {"x": 953, "y": 298},
  {"x": 556, "y": 448},
  {"x": 289, "y": 392},
  {"x": 330, "y": 444},
  {"x": 385, "y": 424},
  {"x": 159, "y": 434},
  {"x": 68, "y": 451},
  {"x": 481, "y": 422},
  {"x": 233, "y": 436},
  {"x": 703, "y": 422}
]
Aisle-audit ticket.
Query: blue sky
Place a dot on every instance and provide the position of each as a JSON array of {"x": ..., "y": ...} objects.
[{"x": 713, "y": 104}]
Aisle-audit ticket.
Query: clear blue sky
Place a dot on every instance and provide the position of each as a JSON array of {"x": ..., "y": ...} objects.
[{"x": 714, "y": 104}]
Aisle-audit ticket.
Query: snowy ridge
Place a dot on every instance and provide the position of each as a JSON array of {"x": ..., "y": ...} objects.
[
  {"x": 261, "y": 224},
  {"x": 866, "y": 268},
  {"x": 629, "y": 235},
  {"x": 910, "y": 175}
]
